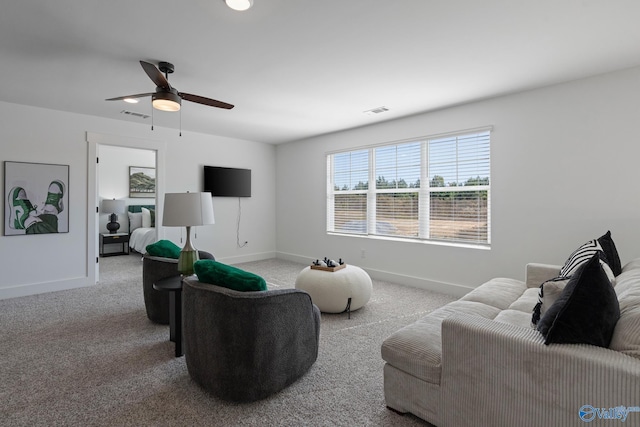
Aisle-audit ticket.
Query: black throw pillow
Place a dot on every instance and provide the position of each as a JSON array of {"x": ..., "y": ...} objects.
[
  {"x": 586, "y": 311},
  {"x": 610, "y": 252}
]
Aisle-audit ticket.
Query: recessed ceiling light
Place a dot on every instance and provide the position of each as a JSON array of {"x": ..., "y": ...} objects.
[
  {"x": 239, "y": 4},
  {"x": 131, "y": 100}
]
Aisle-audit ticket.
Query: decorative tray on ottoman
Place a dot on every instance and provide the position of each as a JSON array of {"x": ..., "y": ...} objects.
[{"x": 328, "y": 265}]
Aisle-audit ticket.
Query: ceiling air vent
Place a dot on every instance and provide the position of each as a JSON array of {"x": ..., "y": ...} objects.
[
  {"x": 376, "y": 110},
  {"x": 134, "y": 114}
]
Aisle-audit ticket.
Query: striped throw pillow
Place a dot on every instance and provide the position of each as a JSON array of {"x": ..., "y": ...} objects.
[{"x": 579, "y": 257}]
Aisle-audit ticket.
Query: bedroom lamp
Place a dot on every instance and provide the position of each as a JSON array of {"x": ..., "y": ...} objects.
[
  {"x": 114, "y": 207},
  {"x": 187, "y": 210}
]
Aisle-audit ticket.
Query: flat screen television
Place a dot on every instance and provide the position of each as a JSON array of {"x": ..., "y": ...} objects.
[{"x": 227, "y": 182}]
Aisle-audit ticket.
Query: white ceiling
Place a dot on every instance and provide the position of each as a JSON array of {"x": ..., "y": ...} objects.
[{"x": 299, "y": 68}]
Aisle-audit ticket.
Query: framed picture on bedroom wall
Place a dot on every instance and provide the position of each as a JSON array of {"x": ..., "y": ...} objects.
[
  {"x": 142, "y": 182},
  {"x": 36, "y": 198}
]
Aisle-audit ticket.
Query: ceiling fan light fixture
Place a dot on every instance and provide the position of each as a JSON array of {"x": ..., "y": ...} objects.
[
  {"x": 239, "y": 5},
  {"x": 166, "y": 101}
]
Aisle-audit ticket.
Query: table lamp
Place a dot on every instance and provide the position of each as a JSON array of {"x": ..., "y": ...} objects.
[
  {"x": 187, "y": 210},
  {"x": 114, "y": 207}
]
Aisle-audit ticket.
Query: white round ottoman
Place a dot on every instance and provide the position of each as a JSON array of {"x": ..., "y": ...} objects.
[{"x": 331, "y": 291}]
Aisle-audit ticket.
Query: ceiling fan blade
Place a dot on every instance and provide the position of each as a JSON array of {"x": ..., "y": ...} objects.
[
  {"x": 155, "y": 75},
  {"x": 205, "y": 101},
  {"x": 139, "y": 95}
]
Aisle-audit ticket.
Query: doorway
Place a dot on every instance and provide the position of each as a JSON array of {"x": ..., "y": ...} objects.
[{"x": 106, "y": 181}]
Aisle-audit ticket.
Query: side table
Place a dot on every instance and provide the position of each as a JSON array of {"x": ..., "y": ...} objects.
[
  {"x": 173, "y": 285},
  {"x": 114, "y": 238}
]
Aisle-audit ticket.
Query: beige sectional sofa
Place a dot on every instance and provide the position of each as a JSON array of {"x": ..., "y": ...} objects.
[{"x": 479, "y": 362}]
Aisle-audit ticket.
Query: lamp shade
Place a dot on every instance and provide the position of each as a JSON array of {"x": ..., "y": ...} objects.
[
  {"x": 166, "y": 100},
  {"x": 187, "y": 209},
  {"x": 112, "y": 206}
]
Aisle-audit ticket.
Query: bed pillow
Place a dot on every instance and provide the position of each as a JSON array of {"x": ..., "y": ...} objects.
[
  {"x": 164, "y": 249},
  {"x": 135, "y": 220},
  {"x": 146, "y": 218},
  {"x": 587, "y": 310},
  {"x": 227, "y": 276}
]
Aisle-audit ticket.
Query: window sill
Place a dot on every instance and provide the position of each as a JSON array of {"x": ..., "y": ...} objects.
[{"x": 480, "y": 246}]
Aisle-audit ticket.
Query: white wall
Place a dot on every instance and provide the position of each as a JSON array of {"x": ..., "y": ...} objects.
[
  {"x": 43, "y": 263},
  {"x": 564, "y": 170},
  {"x": 258, "y": 219}
]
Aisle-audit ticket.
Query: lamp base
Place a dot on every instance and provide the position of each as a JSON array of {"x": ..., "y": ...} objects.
[
  {"x": 113, "y": 225},
  {"x": 186, "y": 260}
]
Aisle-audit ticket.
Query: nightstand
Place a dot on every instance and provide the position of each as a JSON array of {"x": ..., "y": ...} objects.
[{"x": 112, "y": 239}]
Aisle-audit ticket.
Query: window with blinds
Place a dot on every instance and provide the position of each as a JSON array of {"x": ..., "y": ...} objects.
[
  {"x": 432, "y": 189},
  {"x": 348, "y": 184}
]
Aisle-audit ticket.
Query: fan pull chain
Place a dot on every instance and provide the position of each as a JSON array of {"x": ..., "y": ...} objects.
[
  {"x": 180, "y": 122},
  {"x": 152, "y": 115}
]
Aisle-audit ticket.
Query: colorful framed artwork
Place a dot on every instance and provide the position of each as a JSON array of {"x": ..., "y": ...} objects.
[
  {"x": 142, "y": 182},
  {"x": 36, "y": 198}
]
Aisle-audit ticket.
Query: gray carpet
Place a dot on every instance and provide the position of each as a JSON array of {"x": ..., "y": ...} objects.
[{"x": 91, "y": 357}]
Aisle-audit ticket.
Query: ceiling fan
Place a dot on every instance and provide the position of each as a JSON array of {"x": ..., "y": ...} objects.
[{"x": 167, "y": 98}]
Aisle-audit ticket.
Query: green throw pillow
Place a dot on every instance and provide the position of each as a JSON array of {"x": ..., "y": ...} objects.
[
  {"x": 216, "y": 273},
  {"x": 164, "y": 248}
]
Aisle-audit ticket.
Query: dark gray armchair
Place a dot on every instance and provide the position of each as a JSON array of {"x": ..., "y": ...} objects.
[
  {"x": 154, "y": 269},
  {"x": 245, "y": 346}
]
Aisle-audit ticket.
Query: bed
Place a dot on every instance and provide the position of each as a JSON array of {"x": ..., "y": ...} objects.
[{"x": 142, "y": 231}]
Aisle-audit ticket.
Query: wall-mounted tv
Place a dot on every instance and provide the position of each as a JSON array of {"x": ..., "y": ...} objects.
[{"x": 227, "y": 182}]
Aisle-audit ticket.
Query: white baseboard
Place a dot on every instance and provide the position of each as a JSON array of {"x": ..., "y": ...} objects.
[
  {"x": 416, "y": 282},
  {"x": 247, "y": 258},
  {"x": 44, "y": 287},
  {"x": 402, "y": 279}
]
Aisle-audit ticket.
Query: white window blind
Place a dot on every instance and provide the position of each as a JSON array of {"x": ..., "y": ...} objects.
[
  {"x": 458, "y": 167},
  {"x": 348, "y": 185},
  {"x": 397, "y": 171},
  {"x": 433, "y": 189}
]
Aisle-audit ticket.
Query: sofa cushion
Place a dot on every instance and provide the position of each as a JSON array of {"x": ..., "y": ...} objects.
[
  {"x": 526, "y": 302},
  {"x": 164, "y": 248},
  {"x": 227, "y": 276},
  {"x": 499, "y": 292},
  {"x": 626, "y": 336},
  {"x": 417, "y": 348},
  {"x": 586, "y": 311},
  {"x": 515, "y": 317}
]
